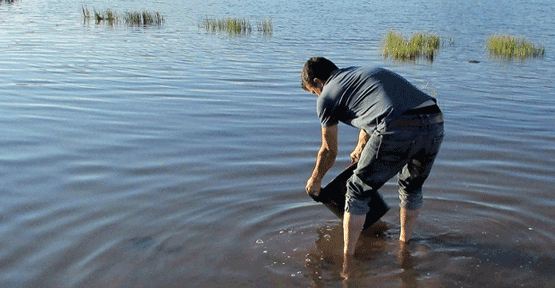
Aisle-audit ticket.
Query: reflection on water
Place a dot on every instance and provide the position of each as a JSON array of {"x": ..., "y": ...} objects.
[
  {"x": 170, "y": 157},
  {"x": 443, "y": 260}
]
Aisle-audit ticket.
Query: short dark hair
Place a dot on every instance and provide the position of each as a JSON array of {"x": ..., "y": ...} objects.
[{"x": 316, "y": 67}]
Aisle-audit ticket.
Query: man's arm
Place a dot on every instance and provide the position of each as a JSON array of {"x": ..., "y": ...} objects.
[
  {"x": 362, "y": 140},
  {"x": 325, "y": 160}
]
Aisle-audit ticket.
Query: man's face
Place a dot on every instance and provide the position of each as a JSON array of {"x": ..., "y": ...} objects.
[{"x": 314, "y": 89}]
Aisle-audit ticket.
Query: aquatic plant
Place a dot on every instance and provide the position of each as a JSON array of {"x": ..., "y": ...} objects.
[
  {"x": 265, "y": 26},
  {"x": 448, "y": 41},
  {"x": 419, "y": 45},
  {"x": 138, "y": 18},
  {"x": 107, "y": 15},
  {"x": 143, "y": 18},
  {"x": 86, "y": 13},
  {"x": 509, "y": 46},
  {"x": 235, "y": 26}
]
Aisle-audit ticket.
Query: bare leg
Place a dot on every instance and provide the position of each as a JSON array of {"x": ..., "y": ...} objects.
[
  {"x": 408, "y": 221},
  {"x": 352, "y": 227},
  {"x": 404, "y": 257}
]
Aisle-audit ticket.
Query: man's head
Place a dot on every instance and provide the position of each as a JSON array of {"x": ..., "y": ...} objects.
[{"x": 316, "y": 72}]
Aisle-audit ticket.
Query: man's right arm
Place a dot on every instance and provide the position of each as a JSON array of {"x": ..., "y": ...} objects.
[{"x": 325, "y": 160}]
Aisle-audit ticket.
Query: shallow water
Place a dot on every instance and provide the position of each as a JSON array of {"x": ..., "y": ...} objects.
[{"x": 171, "y": 157}]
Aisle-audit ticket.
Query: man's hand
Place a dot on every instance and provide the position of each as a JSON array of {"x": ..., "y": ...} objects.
[
  {"x": 313, "y": 187},
  {"x": 355, "y": 155}
]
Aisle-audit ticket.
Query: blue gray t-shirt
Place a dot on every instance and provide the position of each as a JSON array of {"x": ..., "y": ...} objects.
[{"x": 364, "y": 97}]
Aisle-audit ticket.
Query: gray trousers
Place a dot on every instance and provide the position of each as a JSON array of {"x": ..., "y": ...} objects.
[{"x": 406, "y": 147}]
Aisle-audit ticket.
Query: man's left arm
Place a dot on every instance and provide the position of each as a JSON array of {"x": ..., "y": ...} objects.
[
  {"x": 326, "y": 159},
  {"x": 363, "y": 138}
]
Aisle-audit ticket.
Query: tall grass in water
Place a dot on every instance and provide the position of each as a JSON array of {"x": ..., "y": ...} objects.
[
  {"x": 419, "y": 45},
  {"x": 143, "y": 18},
  {"x": 236, "y": 26},
  {"x": 233, "y": 26},
  {"x": 139, "y": 18},
  {"x": 508, "y": 46},
  {"x": 265, "y": 26},
  {"x": 86, "y": 13},
  {"x": 108, "y": 15}
]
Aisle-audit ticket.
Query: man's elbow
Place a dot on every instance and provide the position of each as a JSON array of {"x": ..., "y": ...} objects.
[
  {"x": 333, "y": 153},
  {"x": 328, "y": 152}
]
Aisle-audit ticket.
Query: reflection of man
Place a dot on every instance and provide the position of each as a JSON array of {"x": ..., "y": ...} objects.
[{"x": 401, "y": 129}]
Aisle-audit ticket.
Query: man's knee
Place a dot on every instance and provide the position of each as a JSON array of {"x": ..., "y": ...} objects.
[
  {"x": 358, "y": 195},
  {"x": 411, "y": 200},
  {"x": 356, "y": 206}
]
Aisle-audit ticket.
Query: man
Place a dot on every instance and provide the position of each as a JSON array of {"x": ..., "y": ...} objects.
[{"x": 401, "y": 129}]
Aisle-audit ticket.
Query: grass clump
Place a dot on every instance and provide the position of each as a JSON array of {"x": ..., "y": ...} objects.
[
  {"x": 86, "y": 13},
  {"x": 508, "y": 46},
  {"x": 143, "y": 18},
  {"x": 236, "y": 26},
  {"x": 419, "y": 45},
  {"x": 138, "y": 18},
  {"x": 232, "y": 26},
  {"x": 108, "y": 15},
  {"x": 265, "y": 26}
]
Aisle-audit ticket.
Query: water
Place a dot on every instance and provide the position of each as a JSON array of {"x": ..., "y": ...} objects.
[{"x": 171, "y": 157}]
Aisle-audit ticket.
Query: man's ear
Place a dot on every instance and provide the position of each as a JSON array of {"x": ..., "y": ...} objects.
[{"x": 319, "y": 83}]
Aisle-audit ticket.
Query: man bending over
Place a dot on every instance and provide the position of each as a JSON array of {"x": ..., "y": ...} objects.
[{"x": 401, "y": 129}]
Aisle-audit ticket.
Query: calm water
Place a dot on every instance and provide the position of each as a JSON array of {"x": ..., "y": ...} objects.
[{"x": 171, "y": 157}]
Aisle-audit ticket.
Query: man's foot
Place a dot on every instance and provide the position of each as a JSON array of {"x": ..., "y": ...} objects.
[
  {"x": 404, "y": 257},
  {"x": 348, "y": 267},
  {"x": 408, "y": 221}
]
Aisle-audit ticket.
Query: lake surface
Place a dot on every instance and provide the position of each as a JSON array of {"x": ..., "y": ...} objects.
[{"x": 172, "y": 157}]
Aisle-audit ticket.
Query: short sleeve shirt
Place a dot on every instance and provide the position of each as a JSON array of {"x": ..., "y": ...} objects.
[{"x": 364, "y": 97}]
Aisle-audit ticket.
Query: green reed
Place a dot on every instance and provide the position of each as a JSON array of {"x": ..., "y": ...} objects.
[
  {"x": 86, "y": 13},
  {"x": 419, "y": 45},
  {"x": 107, "y": 15},
  {"x": 509, "y": 46},
  {"x": 265, "y": 26},
  {"x": 143, "y": 18},
  {"x": 138, "y": 18},
  {"x": 235, "y": 26}
]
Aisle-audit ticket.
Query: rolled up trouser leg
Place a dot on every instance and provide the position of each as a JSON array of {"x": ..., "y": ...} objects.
[
  {"x": 375, "y": 167},
  {"x": 423, "y": 154}
]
